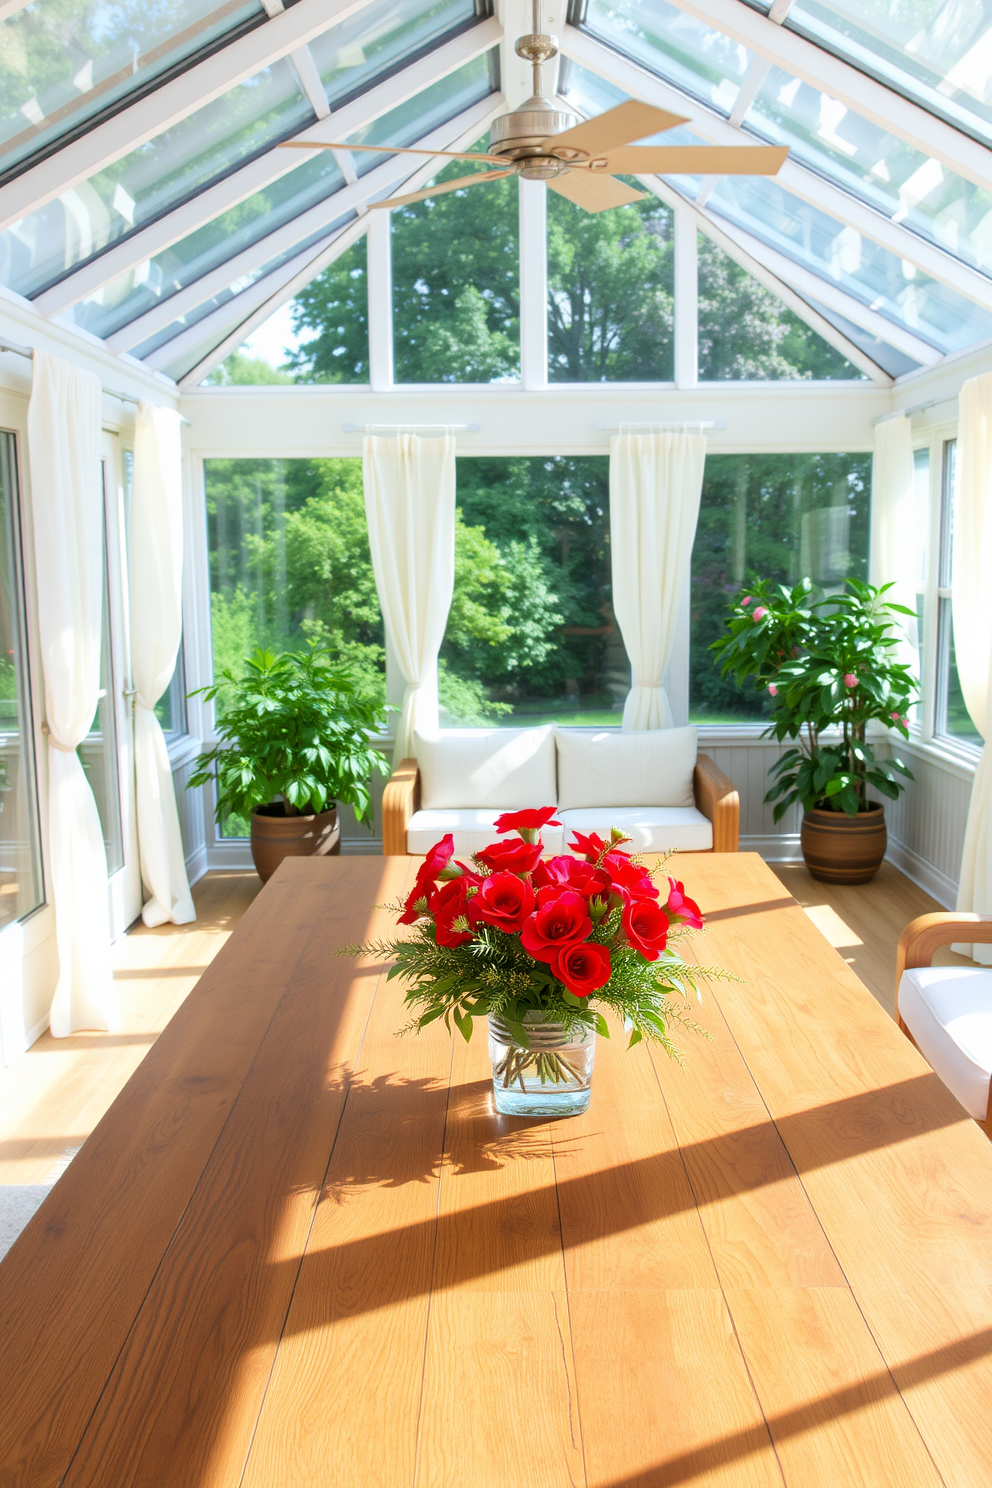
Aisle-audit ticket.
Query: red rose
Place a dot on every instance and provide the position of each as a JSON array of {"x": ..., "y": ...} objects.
[
  {"x": 514, "y": 856},
  {"x": 630, "y": 879},
  {"x": 582, "y": 967},
  {"x": 503, "y": 900},
  {"x": 527, "y": 821},
  {"x": 682, "y": 908},
  {"x": 450, "y": 903},
  {"x": 646, "y": 927},
  {"x": 572, "y": 873},
  {"x": 434, "y": 863},
  {"x": 563, "y": 918},
  {"x": 588, "y": 844}
]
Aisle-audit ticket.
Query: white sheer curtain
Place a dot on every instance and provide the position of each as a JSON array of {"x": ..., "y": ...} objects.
[
  {"x": 895, "y": 525},
  {"x": 64, "y": 430},
  {"x": 655, "y": 484},
  {"x": 156, "y": 557},
  {"x": 410, "y": 508},
  {"x": 971, "y": 602}
]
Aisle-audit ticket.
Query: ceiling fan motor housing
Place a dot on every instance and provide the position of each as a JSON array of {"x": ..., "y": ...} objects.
[{"x": 526, "y": 137}]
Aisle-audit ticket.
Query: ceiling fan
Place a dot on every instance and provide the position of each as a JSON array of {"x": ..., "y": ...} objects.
[{"x": 543, "y": 141}]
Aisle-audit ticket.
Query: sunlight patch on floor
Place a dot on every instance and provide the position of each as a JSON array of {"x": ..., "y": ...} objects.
[{"x": 832, "y": 927}]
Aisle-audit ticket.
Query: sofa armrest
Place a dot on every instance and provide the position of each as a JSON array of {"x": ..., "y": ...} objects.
[
  {"x": 717, "y": 799},
  {"x": 400, "y": 799}
]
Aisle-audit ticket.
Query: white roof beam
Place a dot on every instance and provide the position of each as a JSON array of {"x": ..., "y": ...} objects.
[
  {"x": 468, "y": 126},
  {"x": 793, "y": 177},
  {"x": 11, "y": 7},
  {"x": 258, "y": 174},
  {"x": 170, "y": 103},
  {"x": 862, "y": 94}
]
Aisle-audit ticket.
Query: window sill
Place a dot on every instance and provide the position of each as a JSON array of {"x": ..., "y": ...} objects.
[{"x": 959, "y": 759}]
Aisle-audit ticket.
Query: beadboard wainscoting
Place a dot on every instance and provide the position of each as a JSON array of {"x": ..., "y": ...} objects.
[
  {"x": 748, "y": 760},
  {"x": 926, "y": 825}
]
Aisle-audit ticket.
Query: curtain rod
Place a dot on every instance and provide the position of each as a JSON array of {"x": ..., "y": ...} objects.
[
  {"x": 26, "y": 351},
  {"x": 670, "y": 424},
  {"x": 916, "y": 408},
  {"x": 409, "y": 428}
]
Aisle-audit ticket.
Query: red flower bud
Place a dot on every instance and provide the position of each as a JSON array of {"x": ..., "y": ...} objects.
[
  {"x": 532, "y": 820},
  {"x": 682, "y": 908}
]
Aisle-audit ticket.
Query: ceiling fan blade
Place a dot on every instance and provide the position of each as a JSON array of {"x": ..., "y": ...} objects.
[
  {"x": 628, "y": 121},
  {"x": 697, "y": 160},
  {"x": 389, "y": 150},
  {"x": 597, "y": 192},
  {"x": 415, "y": 196}
]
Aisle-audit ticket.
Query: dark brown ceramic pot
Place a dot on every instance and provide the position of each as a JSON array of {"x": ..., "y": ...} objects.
[
  {"x": 275, "y": 836},
  {"x": 844, "y": 849}
]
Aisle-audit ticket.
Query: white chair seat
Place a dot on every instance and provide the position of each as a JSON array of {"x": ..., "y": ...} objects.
[
  {"x": 948, "y": 1010},
  {"x": 657, "y": 829},
  {"x": 472, "y": 830}
]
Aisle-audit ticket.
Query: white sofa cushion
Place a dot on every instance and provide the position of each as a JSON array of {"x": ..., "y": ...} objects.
[
  {"x": 948, "y": 1010},
  {"x": 609, "y": 768},
  {"x": 487, "y": 768},
  {"x": 657, "y": 829},
  {"x": 472, "y": 831}
]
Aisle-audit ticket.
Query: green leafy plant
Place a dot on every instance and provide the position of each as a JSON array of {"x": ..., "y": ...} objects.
[
  {"x": 829, "y": 663},
  {"x": 293, "y": 727}
]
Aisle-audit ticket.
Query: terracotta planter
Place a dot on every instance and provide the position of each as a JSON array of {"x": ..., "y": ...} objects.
[
  {"x": 844, "y": 849},
  {"x": 275, "y": 836}
]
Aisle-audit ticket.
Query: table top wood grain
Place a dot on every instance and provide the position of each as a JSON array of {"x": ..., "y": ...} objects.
[{"x": 299, "y": 1250}]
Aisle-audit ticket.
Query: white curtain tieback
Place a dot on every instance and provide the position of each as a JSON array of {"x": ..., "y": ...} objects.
[
  {"x": 63, "y": 748},
  {"x": 140, "y": 698}
]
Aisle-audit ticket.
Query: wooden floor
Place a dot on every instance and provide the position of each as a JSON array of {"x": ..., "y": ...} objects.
[{"x": 52, "y": 1100}]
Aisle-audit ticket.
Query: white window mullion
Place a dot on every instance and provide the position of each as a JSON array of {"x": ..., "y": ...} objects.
[
  {"x": 379, "y": 279},
  {"x": 533, "y": 284},
  {"x": 686, "y": 307}
]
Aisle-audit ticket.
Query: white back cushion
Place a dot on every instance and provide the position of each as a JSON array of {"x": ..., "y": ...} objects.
[
  {"x": 504, "y": 768},
  {"x": 610, "y": 768}
]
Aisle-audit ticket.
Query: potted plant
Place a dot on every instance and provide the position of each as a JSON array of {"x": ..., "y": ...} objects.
[
  {"x": 829, "y": 664},
  {"x": 294, "y": 741}
]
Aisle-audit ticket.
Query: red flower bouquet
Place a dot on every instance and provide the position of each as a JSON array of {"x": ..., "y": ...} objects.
[{"x": 540, "y": 945}]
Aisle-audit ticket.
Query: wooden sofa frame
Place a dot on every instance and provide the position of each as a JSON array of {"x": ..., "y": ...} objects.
[
  {"x": 922, "y": 937},
  {"x": 714, "y": 793}
]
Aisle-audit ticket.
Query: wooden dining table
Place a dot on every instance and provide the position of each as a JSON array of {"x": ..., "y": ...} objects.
[{"x": 300, "y": 1250}]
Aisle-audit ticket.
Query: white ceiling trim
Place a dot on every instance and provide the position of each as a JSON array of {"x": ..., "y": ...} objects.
[
  {"x": 861, "y": 93},
  {"x": 793, "y": 176},
  {"x": 258, "y": 174},
  {"x": 170, "y": 103},
  {"x": 467, "y": 125}
]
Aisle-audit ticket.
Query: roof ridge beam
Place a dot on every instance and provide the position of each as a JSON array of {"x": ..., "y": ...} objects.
[
  {"x": 860, "y": 92},
  {"x": 171, "y": 102},
  {"x": 354, "y": 230},
  {"x": 262, "y": 171},
  {"x": 803, "y": 182}
]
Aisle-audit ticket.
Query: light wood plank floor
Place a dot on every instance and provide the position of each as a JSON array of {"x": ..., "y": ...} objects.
[{"x": 52, "y": 1099}]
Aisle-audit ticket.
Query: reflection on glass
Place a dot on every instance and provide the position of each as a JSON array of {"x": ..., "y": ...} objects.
[
  {"x": 611, "y": 293},
  {"x": 780, "y": 517},
  {"x": 936, "y": 53},
  {"x": 98, "y": 751},
  {"x": 67, "y": 63},
  {"x": 382, "y": 37},
  {"x": 164, "y": 171},
  {"x": 290, "y": 562},
  {"x": 956, "y": 721},
  {"x": 747, "y": 334},
  {"x": 921, "y": 515},
  {"x": 170, "y": 710},
  {"x": 21, "y": 889},
  {"x": 531, "y": 636},
  {"x": 675, "y": 45}
]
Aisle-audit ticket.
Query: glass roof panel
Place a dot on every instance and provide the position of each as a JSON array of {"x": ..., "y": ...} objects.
[
  {"x": 65, "y": 64},
  {"x": 841, "y": 256},
  {"x": 159, "y": 175},
  {"x": 590, "y": 94},
  {"x": 938, "y": 52},
  {"x": 896, "y": 363},
  {"x": 891, "y": 176},
  {"x": 686, "y": 52},
  {"x": 381, "y": 38},
  {"x": 317, "y": 179}
]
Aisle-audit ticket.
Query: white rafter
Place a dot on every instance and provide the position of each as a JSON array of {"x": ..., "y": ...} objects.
[
  {"x": 170, "y": 103},
  {"x": 11, "y": 7},
  {"x": 468, "y": 125},
  {"x": 260, "y": 173},
  {"x": 862, "y": 94},
  {"x": 847, "y": 209}
]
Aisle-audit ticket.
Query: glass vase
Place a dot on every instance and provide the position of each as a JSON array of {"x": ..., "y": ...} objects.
[{"x": 551, "y": 1077}]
